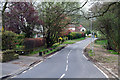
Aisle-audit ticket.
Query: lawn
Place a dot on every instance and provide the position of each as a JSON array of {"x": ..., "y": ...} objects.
[{"x": 73, "y": 41}]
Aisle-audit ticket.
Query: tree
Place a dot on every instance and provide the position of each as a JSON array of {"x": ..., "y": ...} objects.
[
  {"x": 56, "y": 17},
  {"x": 108, "y": 26},
  {"x": 22, "y": 17}
]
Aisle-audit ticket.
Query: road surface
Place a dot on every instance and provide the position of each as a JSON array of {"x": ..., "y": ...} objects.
[{"x": 67, "y": 63}]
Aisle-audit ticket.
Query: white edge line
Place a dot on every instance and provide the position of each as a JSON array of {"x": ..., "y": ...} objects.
[
  {"x": 36, "y": 64},
  {"x": 101, "y": 71},
  {"x": 53, "y": 55},
  {"x": 62, "y": 76},
  {"x": 24, "y": 72},
  {"x": 85, "y": 57}
]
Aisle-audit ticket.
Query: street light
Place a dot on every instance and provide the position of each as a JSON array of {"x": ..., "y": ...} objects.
[{"x": 92, "y": 33}]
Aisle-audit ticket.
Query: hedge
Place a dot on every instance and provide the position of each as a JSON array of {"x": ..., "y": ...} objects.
[
  {"x": 75, "y": 35},
  {"x": 31, "y": 43},
  {"x": 9, "y": 55},
  {"x": 8, "y": 40}
]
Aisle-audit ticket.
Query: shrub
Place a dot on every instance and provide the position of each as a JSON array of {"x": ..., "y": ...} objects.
[
  {"x": 19, "y": 39},
  {"x": 9, "y": 55},
  {"x": 8, "y": 40},
  {"x": 74, "y": 35}
]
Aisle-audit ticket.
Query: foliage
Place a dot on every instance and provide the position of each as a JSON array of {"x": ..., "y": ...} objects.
[
  {"x": 55, "y": 24},
  {"x": 73, "y": 41},
  {"x": 19, "y": 41},
  {"x": 22, "y": 17},
  {"x": 8, "y": 40},
  {"x": 108, "y": 26},
  {"x": 88, "y": 32},
  {"x": 74, "y": 35},
  {"x": 9, "y": 55},
  {"x": 31, "y": 43}
]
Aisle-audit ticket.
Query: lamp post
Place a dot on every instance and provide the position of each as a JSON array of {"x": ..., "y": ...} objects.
[{"x": 92, "y": 33}]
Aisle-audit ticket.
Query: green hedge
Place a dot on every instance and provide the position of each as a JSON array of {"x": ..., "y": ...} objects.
[
  {"x": 74, "y": 35},
  {"x": 9, "y": 55},
  {"x": 8, "y": 40}
]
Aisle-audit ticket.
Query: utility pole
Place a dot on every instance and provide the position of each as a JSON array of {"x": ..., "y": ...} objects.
[{"x": 92, "y": 33}]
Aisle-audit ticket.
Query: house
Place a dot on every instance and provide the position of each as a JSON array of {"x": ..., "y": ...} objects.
[
  {"x": 38, "y": 32},
  {"x": 75, "y": 28}
]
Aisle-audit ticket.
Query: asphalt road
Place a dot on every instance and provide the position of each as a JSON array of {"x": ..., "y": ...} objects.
[{"x": 67, "y": 63}]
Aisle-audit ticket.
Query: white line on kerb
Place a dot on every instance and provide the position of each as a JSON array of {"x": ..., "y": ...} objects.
[
  {"x": 37, "y": 64},
  {"x": 101, "y": 71},
  {"x": 24, "y": 71},
  {"x": 66, "y": 68},
  {"x": 85, "y": 57},
  {"x": 62, "y": 76}
]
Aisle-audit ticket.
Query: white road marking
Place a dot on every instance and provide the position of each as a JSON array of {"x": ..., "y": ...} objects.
[
  {"x": 67, "y": 57},
  {"x": 67, "y": 61},
  {"x": 30, "y": 68},
  {"x": 66, "y": 68},
  {"x": 61, "y": 76},
  {"x": 68, "y": 54},
  {"x": 101, "y": 71},
  {"x": 85, "y": 57},
  {"x": 24, "y": 72},
  {"x": 53, "y": 55},
  {"x": 37, "y": 64}
]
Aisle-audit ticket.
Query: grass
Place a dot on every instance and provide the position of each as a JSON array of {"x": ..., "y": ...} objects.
[
  {"x": 51, "y": 51},
  {"x": 91, "y": 53},
  {"x": 41, "y": 49},
  {"x": 69, "y": 42},
  {"x": 73, "y": 41},
  {"x": 55, "y": 45},
  {"x": 37, "y": 51},
  {"x": 101, "y": 42},
  {"x": 112, "y": 52},
  {"x": 104, "y": 42}
]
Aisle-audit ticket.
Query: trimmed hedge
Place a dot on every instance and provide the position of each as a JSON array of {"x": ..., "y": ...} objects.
[
  {"x": 31, "y": 43},
  {"x": 8, "y": 40},
  {"x": 75, "y": 35},
  {"x": 9, "y": 55}
]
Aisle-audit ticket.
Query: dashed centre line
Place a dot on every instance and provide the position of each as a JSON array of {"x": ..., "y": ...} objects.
[
  {"x": 66, "y": 67},
  {"x": 67, "y": 61}
]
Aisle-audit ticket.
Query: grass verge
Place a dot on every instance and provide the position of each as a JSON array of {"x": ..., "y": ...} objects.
[{"x": 73, "y": 41}]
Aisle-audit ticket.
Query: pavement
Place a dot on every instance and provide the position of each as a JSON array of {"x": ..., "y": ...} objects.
[
  {"x": 67, "y": 63},
  {"x": 18, "y": 65}
]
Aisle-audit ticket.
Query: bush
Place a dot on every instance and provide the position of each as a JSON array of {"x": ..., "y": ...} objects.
[
  {"x": 9, "y": 55},
  {"x": 19, "y": 42},
  {"x": 74, "y": 35},
  {"x": 19, "y": 39},
  {"x": 8, "y": 40},
  {"x": 31, "y": 43}
]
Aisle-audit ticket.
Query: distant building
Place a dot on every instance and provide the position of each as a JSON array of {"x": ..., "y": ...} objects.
[
  {"x": 80, "y": 29},
  {"x": 38, "y": 32},
  {"x": 74, "y": 28}
]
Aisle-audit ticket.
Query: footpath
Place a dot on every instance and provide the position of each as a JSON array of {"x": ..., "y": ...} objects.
[{"x": 18, "y": 66}]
